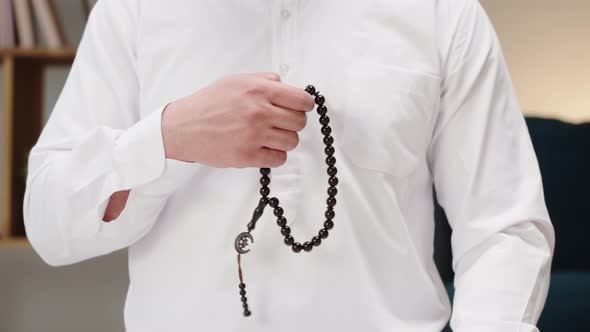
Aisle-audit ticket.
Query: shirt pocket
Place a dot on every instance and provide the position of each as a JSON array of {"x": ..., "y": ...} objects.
[{"x": 387, "y": 116}]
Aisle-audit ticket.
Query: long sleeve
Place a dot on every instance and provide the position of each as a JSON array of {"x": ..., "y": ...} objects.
[
  {"x": 95, "y": 144},
  {"x": 488, "y": 181}
]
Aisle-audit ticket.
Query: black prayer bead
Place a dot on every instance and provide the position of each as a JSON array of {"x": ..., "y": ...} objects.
[
  {"x": 332, "y": 191},
  {"x": 285, "y": 230},
  {"x": 281, "y": 221},
  {"x": 296, "y": 247},
  {"x": 329, "y": 213},
  {"x": 319, "y": 99},
  {"x": 278, "y": 211},
  {"x": 331, "y": 201},
  {"x": 333, "y": 181},
  {"x": 329, "y": 150},
  {"x": 332, "y": 170},
  {"x": 330, "y": 160},
  {"x": 328, "y": 224},
  {"x": 316, "y": 241},
  {"x": 273, "y": 202}
]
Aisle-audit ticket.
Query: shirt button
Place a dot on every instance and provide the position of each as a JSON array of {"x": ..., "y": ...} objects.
[
  {"x": 285, "y": 13},
  {"x": 284, "y": 68}
]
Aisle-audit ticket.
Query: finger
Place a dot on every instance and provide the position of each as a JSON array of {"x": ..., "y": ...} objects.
[
  {"x": 269, "y": 75},
  {"x": 270, "y": 158},
  {"x": 287, "y": 119},
  {"x": 279, "y": 139},
  {"x": 287, "y": 96}
]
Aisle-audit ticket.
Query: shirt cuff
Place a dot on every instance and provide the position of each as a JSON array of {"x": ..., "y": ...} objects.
[{"x": 140, "y": 159}]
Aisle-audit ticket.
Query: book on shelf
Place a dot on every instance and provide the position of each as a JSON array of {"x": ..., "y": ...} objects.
[
  {"x": 24, "y": 23},
  {"x": 2, "y": 21},
  {"x": 34, "y": 23},
  {"x": 51, "y": 27},
  {"x": 6, "y": 24}
]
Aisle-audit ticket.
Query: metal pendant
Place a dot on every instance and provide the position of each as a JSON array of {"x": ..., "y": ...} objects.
[{"x": 243, "y": 240}]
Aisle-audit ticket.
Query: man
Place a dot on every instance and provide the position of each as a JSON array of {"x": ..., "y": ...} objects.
[{"x": 171, "y": 108}]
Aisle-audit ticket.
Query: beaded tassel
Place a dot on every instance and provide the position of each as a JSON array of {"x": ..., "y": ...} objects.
[{"x": 242, "y": 286}]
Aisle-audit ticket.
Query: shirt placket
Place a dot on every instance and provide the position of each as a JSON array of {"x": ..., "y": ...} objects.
[{"x": 286, "y": 179}]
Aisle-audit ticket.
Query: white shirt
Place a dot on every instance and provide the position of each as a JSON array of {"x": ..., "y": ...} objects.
[{"x": 418, "y": 94}]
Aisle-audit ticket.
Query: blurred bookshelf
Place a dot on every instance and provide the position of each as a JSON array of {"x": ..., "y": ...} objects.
[{"x": 23, "y": 76}]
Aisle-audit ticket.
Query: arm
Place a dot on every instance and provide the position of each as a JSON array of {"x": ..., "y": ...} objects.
[
  {"x": 97, "y": 160},
  {"x": 488, "y": 181},
  {"x": 95, "y": 147}
]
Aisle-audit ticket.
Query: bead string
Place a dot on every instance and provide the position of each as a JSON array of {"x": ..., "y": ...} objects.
[{"x": 245, "y": 238}]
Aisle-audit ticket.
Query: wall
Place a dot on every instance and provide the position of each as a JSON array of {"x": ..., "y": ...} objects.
[
  {"x": 546, "y": 46},
  {"x": 87, "y": 297}
]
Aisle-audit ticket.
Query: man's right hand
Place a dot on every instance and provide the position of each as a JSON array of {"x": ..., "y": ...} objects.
[{"x": 242, "y": 120}]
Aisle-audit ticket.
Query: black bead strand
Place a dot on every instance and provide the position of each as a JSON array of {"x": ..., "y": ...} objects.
[{"x": 278, "y": 211}]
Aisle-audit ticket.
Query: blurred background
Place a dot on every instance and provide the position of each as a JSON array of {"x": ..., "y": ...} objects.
[{"x": 546, "y": 44}]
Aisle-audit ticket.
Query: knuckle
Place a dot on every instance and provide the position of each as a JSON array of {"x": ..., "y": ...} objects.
[
  {"x": 255, "y": 114},
  {"x": 255, "y": 88},
  {"x": 274, "y": 77}
]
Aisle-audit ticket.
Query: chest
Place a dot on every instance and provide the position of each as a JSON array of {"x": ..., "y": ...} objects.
[{"x": 375, "y": 60}]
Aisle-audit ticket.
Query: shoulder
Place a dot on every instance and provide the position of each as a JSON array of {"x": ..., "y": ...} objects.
[
  {"x": 114, "y": 15},
  {"x": 463, "y": 28}
]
